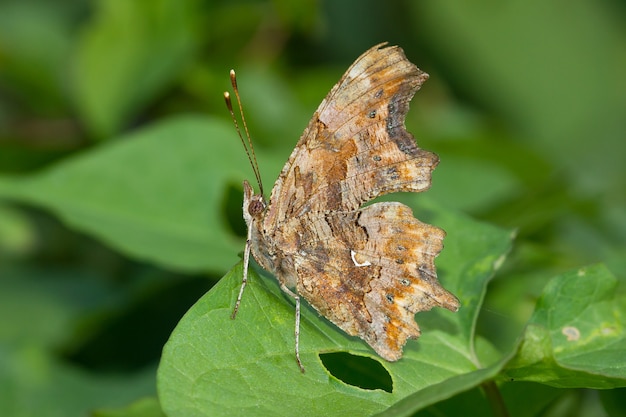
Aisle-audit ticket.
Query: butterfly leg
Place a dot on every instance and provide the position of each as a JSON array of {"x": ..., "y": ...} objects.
[
  {"x": 244, "y": 278},
  {"x": 296, "y": 297}
]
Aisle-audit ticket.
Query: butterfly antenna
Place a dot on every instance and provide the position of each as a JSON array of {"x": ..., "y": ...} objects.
[{"x": 247, "y": 142}]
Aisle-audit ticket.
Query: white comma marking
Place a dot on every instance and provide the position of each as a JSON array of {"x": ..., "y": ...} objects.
[{"x": 356, "y": 263}]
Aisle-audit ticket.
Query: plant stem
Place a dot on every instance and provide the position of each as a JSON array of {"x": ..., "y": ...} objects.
[{"x": 495, "y": 399}]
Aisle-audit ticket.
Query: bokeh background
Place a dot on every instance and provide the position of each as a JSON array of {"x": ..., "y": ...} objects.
[{"x": 526, "y": 106}]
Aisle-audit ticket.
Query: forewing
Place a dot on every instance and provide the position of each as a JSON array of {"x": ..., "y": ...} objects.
[{"x": 356, "y": 147}]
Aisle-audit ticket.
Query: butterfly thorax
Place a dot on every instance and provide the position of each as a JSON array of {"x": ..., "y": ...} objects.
[{"x": 262, "y": 244}]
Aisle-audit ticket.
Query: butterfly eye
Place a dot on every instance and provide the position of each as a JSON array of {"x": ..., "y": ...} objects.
[{"x": 256, "y": 207}]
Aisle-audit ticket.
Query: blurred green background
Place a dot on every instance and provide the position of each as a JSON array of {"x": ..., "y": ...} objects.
[{"x": 526, "y": 106}]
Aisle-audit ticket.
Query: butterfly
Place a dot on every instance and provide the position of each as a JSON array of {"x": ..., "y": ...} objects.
[{"x": 367, "y": 269}]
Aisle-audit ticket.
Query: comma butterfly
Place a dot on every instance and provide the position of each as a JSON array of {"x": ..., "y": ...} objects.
[{"x": 366, "y": 269}]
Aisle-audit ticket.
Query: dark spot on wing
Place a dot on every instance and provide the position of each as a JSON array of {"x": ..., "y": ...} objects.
[{"x": 397, "y": 109}]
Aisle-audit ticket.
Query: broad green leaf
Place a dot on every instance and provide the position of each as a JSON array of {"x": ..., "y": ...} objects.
[
  {"x": 129, "y": 53},
  {"x": 576, "y": 336},
  {"x": 213, "y": 365},
  {"x": 157, "y": 194}
]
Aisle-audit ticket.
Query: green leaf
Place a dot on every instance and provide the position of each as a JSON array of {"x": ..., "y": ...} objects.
[
  {"x": 158, "y": 194},
  {"x": 213, "y": 365},
  {"x": 576, "y": 336},
  {"x": 154, "y": 41}
]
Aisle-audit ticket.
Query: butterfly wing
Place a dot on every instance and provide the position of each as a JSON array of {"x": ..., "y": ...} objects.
[
  {"x": 371, "y": 271},
  {"x": 355, "y": 147},
  {"x": 366, "y": 270}
]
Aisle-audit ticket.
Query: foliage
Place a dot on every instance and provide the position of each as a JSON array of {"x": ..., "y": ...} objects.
[{"x": 120, "y": 206}]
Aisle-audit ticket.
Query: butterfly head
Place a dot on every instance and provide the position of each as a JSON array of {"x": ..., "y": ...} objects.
[{"x": 253, "y": 204}]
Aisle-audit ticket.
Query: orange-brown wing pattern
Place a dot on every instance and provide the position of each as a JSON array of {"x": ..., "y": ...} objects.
[
  {"x": 371, "y": 271},
  {"x": 356, "y": 147}
]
